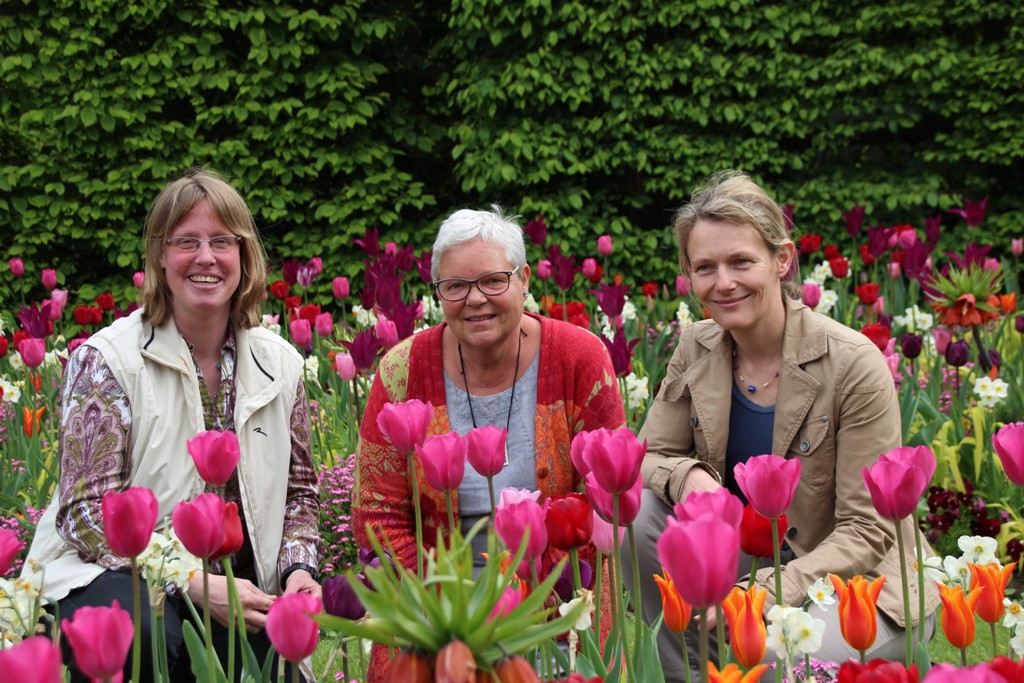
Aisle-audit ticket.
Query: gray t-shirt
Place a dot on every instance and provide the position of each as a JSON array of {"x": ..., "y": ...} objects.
[{"x": 521, "y": 470}]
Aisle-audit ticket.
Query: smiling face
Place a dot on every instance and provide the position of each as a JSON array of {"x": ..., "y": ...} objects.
[
  {"x": 735, "y": 275},
  {"x": 478, "y": 320},
  {"x": 201, "y": 282}
]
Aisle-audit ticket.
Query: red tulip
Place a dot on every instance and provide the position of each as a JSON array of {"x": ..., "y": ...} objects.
[
  {"x": 756, "y": 533},
  {"x": 100, "y": 638},
  {"x": 34, "y": 660},
  {"x": 216, "y": 454},
  {"x": 405, "y": 424},
  {"x": 129, "y": 518},
  {"x": 10, "y": 546},
  {"x": 876, "y": 671},
  {"x": 895, "y": 487},
  {"x": 569, "y": 521},
  {"x": 485, "y": 449},
  {"x": 279, "y": 289},
  {"x": 444, "y": 460},
  {"x": 1009, "y": 445},
  {"x": 702, "y": 557},
  {"x": 301, "y": 331},
  {"x": 769, "y": 482},
  {"x": 603, "y": 501},
  {"x": 868, "y": 293},
  {"x": 614, "y": 457},
  {"x": 291, "y": 630},
  {"x": 858, "y": 614},
  {"x": 340, "y": 287},
  {"x": 878, "y": 333},
  {"x": 199, "y": 524},
  {"x": 604, "y": 245},
  {"x": 232, "y": 532},
  {"x": 840, "y": 267},
  {"x": 1007, "y": 668},
  {"x": 719, "y": 503},
  {"x": 17, "y": 267},
  {"x": 33, "y": 351},
  {"x": 49, "y": 278},
  {"x": 512, "y": 520}
]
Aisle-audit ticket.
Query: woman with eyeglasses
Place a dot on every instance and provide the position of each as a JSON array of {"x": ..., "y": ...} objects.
[
  {"x": 488, "y": 363},
  {"x": 193, "y": 358}
]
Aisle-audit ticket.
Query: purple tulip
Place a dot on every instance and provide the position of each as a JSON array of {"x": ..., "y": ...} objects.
[
  {"x": 933, "y": 229},
  {"x": 611, "y": 299},
  {"x": 537, "y": 231},
  {"x": 854, "y": 219},
  {"x": 563, "y": 268},
  {"x": 973, "y": 212},
  {"x": 958, "y": 353},
  {"x": 340, "y": 600},
  {"x": 1018, "y": 323},
  {"x": 364, "y": 349},
  {"x": 35, "y": 319},
  {"x": 911, "y": 345},
  {"x": 620, "y": 351}
]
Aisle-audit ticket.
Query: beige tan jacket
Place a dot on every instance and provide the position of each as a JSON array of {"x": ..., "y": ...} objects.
[{"x": 836, "y": 411}]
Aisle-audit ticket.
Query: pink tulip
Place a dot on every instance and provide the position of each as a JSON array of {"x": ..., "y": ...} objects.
[
  {"x": 1017, "y": 246},
  {"x": 603, "y": 536},
  {"x": 340, "y": 287},
  {"x": 138, "y": 279},
  {"x": 921, "y": 457},
  {"x": 216, "y": 454},
  {"x": 879, "y": 306},
  {"x": 614, "y": 458},
  {"x": 511, "y": 496},
  {"x": 345, "y": 366},
  {"x": 405, "y": 424},
  {"x": 992, "y": 265},
  {"x": 942, "y": 336},
  {"x": 702, "y": 557},
  {"x": 682, "y": 285},
  {"x": 315, "y": 265},
  {"x": 100, "y": 638},
  {"x": 302, "y": 332},
  {"x": 34, "y": 660},
  {"x": 769, "y": 483},
  {"x": 17, "y": 267},
  {"x": 544, "y": 269},
  {"x": 508, "y": 601},
  {"x": 10, "y": 546},
  {"x": 324, "y": 325},
  {"x": 387, "y": 332},
  {"x": 589, "y": 268},
  {"x": 511, "y": 523},
  {"x": 895, "y": 270},
  {"x": 719, "y": 503},
  {"x": 49, "y": 278},
  {"x": 604, "y": 245},
  {"x": 33, "y": 351},
  {"x": 602, "y": 501},
  {"x": 391, "y": 249},
  {"x": 1009, "y": 445},
  {"x": 200, "y": 524},
  {"x": 291, "y": 630},
  {"x": 893, "y": 361},
  {"x": 811, "y": 294},
  {"x": 129, "y": 518},
  {"x": 444, "y": 460},
  {"x": 895, "y": 487},
  {"x": 58, "y": 300},
  {"x": 485, "y": 448},
  {"x": 576, "y": 449}
]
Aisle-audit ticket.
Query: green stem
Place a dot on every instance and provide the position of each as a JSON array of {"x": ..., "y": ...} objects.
[
  {"x": 906, "y": 593},
  {"x": 995, "y": 643},
  {"x": 414, "y": 491},
  {"x": 777, "y": 558},
  {"x": 920, "y": 579},
  {"x": 723, "y": 653},
  {"x": 686, "y": 655},
  {"x": 208, "y": 636},
  {"x": 451, "y": 513},
  {"x": 598, "y": 576},
  {"x": 490, "y": 492},
  {"x": 620, "y": 611},
  {"x": 137, "y": 622},
  {"x": 755, "y": 564},
  {"x": 232, "y": 601},
  {"x": 963, "y": 656},
  {"x": 637, "y": 602},
  {"x": 574, "y": 560},
  {"x": 703, "y": 650}
]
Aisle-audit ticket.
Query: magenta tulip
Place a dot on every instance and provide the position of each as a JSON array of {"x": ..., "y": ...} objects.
[
  {"x": 916, "y": 456},
  {"x": 324, "y": 324},
  {"x": 1017, "y": 246},
  {"x": 33, "y": 351},
  {"x": 405, "y": 424},
  {"x": 301, "y": 331},
  {"x": 769, "y": 483},
  {"x": 604, "y": 245},
  {"x": 58, "y": 300},
  {"x": 34, "y": 660},
  {"x": 138, "y": 279},
  {"x": 444, "y": 460},
  {"x": 216, "y": 454},
  {"x": 1009, "y": 445},
  {"x": 602, "y": 500},
  {"x": 603, "y": 535},
  {"x": 508, "y": 601},
  {"x": 589, "y": 269},
  {"x": 512, "y": 521},
  {"x": 702, "y": 557},
  {"x": 291, "y": 630},
  {"x": 485, "y": 448},
  {"x": 387, "y": 332},
  {"x": 576, "y": 452},
  {"x": 340, "y": 287},
  {"x": 49, "y": 278},
  {"x": 811, "y": 294},
  {"x": 942, "y": 336},
  {"x": 129, "y": 518},
  {"x": 345, "y": 366},
  {"x": 719, "y": 503},
  {"x": 544, "y": 269},
  {"x": 895, "y": 487},
  {"x": 682, "y": 285},
  {"x": 17, "y": 267},
  {"x": 100, "y": 638},
  {"x": 199, "y": 524},
  {"x": 614, "y": 458},
  {"x": 10, "y": 546}
]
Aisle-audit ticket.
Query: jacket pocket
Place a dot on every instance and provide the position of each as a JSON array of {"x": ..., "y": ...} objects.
[{"x": 814, "y": 445}]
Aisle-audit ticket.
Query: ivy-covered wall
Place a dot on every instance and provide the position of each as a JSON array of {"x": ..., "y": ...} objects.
[{"x": 602, "y": 115}]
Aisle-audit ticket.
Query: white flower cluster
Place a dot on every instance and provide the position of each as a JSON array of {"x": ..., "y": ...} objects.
[
  {"x": 270, "y": 323},
  {"x": 953, "y": 571},
  {"x": 683, "y": 316},
  {"x": 530, "y": 304},
  {"x": 11, "y": 389},
  {"x": 19, "y": 606},
  {"x": 432, "y": 311},
  {"x": 167, "y": 565},
  {"x": 990, "y": 391},
  {"x": 312, "y": 369},
  {"x": 827, "y": 302},
  {"x": 793, "y": 632},
  {"x": 637, "y": 390},
  {"x": 915, "y": 320},
  {"x": 364, "y": 318},
  {"x": 821, "y": 272},
  {"x": 605, "y": 323},
  {"x": 16, "y": 361}
]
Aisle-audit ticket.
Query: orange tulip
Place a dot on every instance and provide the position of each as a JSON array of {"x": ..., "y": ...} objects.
[
  {"x": 733, "y": 674},
  {"x": 31, "y": 420},
  {"x": 1008, "y": 303},
  {"x": 677, "y": 611},
  {"x": 858, "y": 615},
  {"x": 994, "y": 580},
  {"x": 747, "y": 633},
  {"x": 957, "y": 617}
]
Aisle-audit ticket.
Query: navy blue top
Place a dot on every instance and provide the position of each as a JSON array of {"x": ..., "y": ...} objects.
[{"x": 750, "y": 433}]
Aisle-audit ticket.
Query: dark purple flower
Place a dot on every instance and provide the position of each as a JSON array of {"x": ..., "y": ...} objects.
[
  {"x": 878, "y": 240},
  {"x": 973, "y": 212},
  {"x": 563, "y": 587},
  {"x": 340, "y": 600},
  {"x": 423, "y": 265},
  {"x": 35, "y": 320},
  {"x": 370, "y": 243},
  {"x": 364, "y": 349},
  {"x": 1018, "y": 323},
  {"x": 933, "y": 229},
  {"x": 405, "y": 260},
  {"x": 384, "y": 287},
  {"x": 854, "y": 218},
  {"x": 537, "y": 231},
  {"x": 994, "y": 358},
  {"x": 911, "y": 345},
  {"x": 404, "y": 317},
  {"x": 972, "y": 254},
  {"x": 611, "y": 299},
  {"x": 290, "y": 271},
  {"x": 563, "y": 268},
  {"x": 915, "y": 260},
  {"x": 621, "y": 352},
  {"x": 958, "y": 353},
  {"x": 885, "y": 319}
]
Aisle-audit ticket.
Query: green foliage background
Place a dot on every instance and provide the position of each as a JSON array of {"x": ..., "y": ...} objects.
[{"x": 335, "y": 117}]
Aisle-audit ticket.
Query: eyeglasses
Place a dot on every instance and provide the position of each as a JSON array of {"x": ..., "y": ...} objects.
[
  {"x": 491, "y": 284},
  {"x": 218, "y": 244}
]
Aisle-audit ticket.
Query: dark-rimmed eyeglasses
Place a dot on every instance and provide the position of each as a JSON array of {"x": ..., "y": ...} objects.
[
  {"x": 491, "y": 284},
  {"x": 220, "y": 244}
]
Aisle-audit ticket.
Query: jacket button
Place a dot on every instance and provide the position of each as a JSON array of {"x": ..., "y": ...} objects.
[
  {"x": 543, "y": 472},
  {"x": 791, "y": 533},
  {"x": 693, "y": 421},
  {"x": 804, "y": 446}
]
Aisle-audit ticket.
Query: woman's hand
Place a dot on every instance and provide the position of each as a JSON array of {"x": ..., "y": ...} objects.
[
  {"x": 301, "y": 581},
  {"x": 255, "y": 603},
  {"x": 697, "y": 480}
]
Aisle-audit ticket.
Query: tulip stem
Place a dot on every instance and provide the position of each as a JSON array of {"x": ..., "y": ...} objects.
[
  {"x": 723, "y": 652},
  {"x": 755, "y": 564},
  {"x": 920, "y": 578},
  {"x": 777, "y": 557},
  {"x": 637, "y": 603},
  {"x": 908, "y": 627},
  {"x": 414, "y": 491},
  {"x": 686, "y": 654},
  {"x": 137, "y": 619},
  {"x": 703, "y": 650},
  {"x": 598, "y": 571},
  {"x": 963, "y": 656},
  {"x": 206, "y": 620},
  {"x": 577, "y": 579},
  {"x": 620, "y": 614},
  {"x": 451, "y": 513},
  {"x": 490, "y": 492},
  {"x": 995, "y": 644},
  {"x": 232, "y": 597}
]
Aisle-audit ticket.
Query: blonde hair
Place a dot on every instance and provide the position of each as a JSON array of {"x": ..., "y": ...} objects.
[{"x": 168, "y": 210}]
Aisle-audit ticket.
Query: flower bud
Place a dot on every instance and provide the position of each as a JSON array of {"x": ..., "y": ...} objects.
[
  {"x": 911, "y": 345},
  {"x": 515, "y": 669},
  {"x": 958, "y": 353},
  {"x": 455, "y": 664}
]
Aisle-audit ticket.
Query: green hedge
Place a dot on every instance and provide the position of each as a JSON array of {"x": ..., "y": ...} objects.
[{"x": 335, "y": 117}]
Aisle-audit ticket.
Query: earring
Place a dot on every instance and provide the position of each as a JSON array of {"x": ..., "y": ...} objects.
[{"x": 526, "y": 294}]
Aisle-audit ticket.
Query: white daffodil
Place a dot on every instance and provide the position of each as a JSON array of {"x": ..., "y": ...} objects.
[
  {"x": 821, "y": 272},
  {"x": 364, "y": 318},
  {"x": 957, "y": 572},
  {"x": 805, "y": 632},
  {"x": 821, "y": 592},
  {"x": 932, "y": 567},
  {"x": 979, "y": 549},
  {"x": 312, "y": 369},
  {"x": 637, "y": 390},
  {"x": 827, "y": 302},
  {"x": 1013, "y": 615},
  {"x": 1017, "y": 642},
  {"x": 11, "y": 391},
  {"x": 167, "y": 565},
  {"x": 683, "y": 315},
  {"x": 586, "y": 599}
]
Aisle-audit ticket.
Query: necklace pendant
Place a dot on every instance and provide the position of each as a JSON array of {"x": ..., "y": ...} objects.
[
  {"x": 751, "y": 388},
  {"x": 506, "y": 450}
]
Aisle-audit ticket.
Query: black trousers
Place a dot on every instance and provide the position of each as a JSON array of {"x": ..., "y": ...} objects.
[{"x": 110, "y": 586}]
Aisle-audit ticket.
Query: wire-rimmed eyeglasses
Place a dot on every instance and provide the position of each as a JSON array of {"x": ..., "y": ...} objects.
[
  {"x": 221, "y": 244},
  {"x": 490, "y": 284}
]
